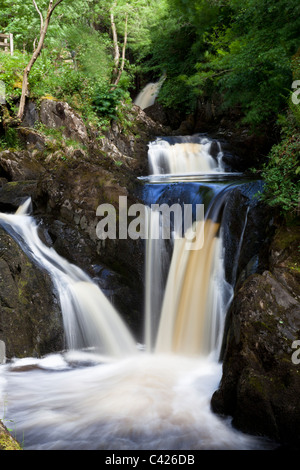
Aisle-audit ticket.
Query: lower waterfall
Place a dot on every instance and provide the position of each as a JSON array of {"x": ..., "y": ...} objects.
[
  {"x": 105, "y": 392},
  {"x": 89, "y": 318}
]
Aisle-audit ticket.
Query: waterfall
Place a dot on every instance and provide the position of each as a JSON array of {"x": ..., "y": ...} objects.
[
  {"x": 155, "y": 262},
  {"x": 183, "y": 156},
  {"x": 148, "y": 94},
  {"x": 89, "y": 318},
  {"x": 132, "y": 399},
  {"x": 196, "y": 294},
  {"x": 196, "y": 298}
]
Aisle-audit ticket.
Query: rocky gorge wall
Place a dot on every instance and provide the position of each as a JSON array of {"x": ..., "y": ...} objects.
[{"x": 261, "y": 374}]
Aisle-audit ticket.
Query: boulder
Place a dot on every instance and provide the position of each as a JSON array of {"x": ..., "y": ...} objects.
[
  {"x": 30, "y": 318},
  {"x": 19, "y": 166},
  {"x": 60, "y": 115},
  {"x": 13, "y": 194}
]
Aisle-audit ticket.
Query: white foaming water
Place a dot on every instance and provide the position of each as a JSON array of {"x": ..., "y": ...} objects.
[
  {"x": 143, "y": 402},
  {"x": 184, "y": 157},
  {"x": 157, "y": 260},
  {"x": 148, "y": 94}
]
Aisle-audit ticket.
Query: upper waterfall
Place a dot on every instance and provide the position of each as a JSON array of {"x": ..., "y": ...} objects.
[
  {"x": 148, "y": 94},
  {"x": 182, "y": 155}
]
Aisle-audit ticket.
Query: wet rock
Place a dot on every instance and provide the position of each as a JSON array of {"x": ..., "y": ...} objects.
[
  {"x": 30, "y": 318},
  {"x": 19, "y": 166},
  {"x": 248, "y": 231},
  {"x": 13, "y": 194},
  {"x": 59, "y": 115},
  {"x": 261, "y": 376}
]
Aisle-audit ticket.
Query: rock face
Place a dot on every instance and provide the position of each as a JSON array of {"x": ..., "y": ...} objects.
[
  {"x": 30, "y": 318},
  {"x": 247, "y": 233},
  {"x": 210, "y": 117},
  {"x": 19, "y": 166},
  {"x": 57, "y": 114},
  {"x": 126, "y": 147},
  {"x": 261, "y": 373},
  {"x": 13, "y": 194}
]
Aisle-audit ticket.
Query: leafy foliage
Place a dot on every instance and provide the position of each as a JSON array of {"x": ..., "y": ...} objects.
[
  {"x": 241, "y": 50},
  {"x": 77, "y": 58},
  {"x": 106, "y": 102},
  {"x": 20, "y": 18},
  {"x": 282, "y": 174},
  {"x": 245, "y": 52}
]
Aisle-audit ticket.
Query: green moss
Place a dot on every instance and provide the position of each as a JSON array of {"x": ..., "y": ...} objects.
[
  {"x": 257, "y": 384},
  {"x": 262, "y": 325},
  {"x": 284, "y": 237},
  {"x": 12, "y": 185},
  {"x": 11, "y": 141},
  {"x": 7, "y": 442},
  {"x": 294, "y": 267}
]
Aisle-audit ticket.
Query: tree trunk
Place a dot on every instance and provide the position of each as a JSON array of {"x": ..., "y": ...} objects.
[
  {"x": 36, "y": 53},
  {"x": 115, "y": 42},
  {"x": 123, "y": 53}
]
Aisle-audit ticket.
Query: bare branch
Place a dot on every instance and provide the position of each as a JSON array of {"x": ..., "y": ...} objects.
[
  {"x": 115, "y": 40},
  {"x": 125, "y": 41},
  {"x": 52, "y": 7},
  {"x": 39, "y": 12},
  {"x": 56, "y": 4}
]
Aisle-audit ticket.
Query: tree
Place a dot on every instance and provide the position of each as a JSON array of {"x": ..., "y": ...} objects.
[
  {"x": 43, "y": 31},
  {"x": 118, "y": 68}
]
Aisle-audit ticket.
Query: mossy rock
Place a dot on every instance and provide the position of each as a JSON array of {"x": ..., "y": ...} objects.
[{"x": 7, "y": 442}]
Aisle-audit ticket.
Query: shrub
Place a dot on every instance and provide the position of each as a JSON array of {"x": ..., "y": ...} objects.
[{"x": 281, "y": 173}]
